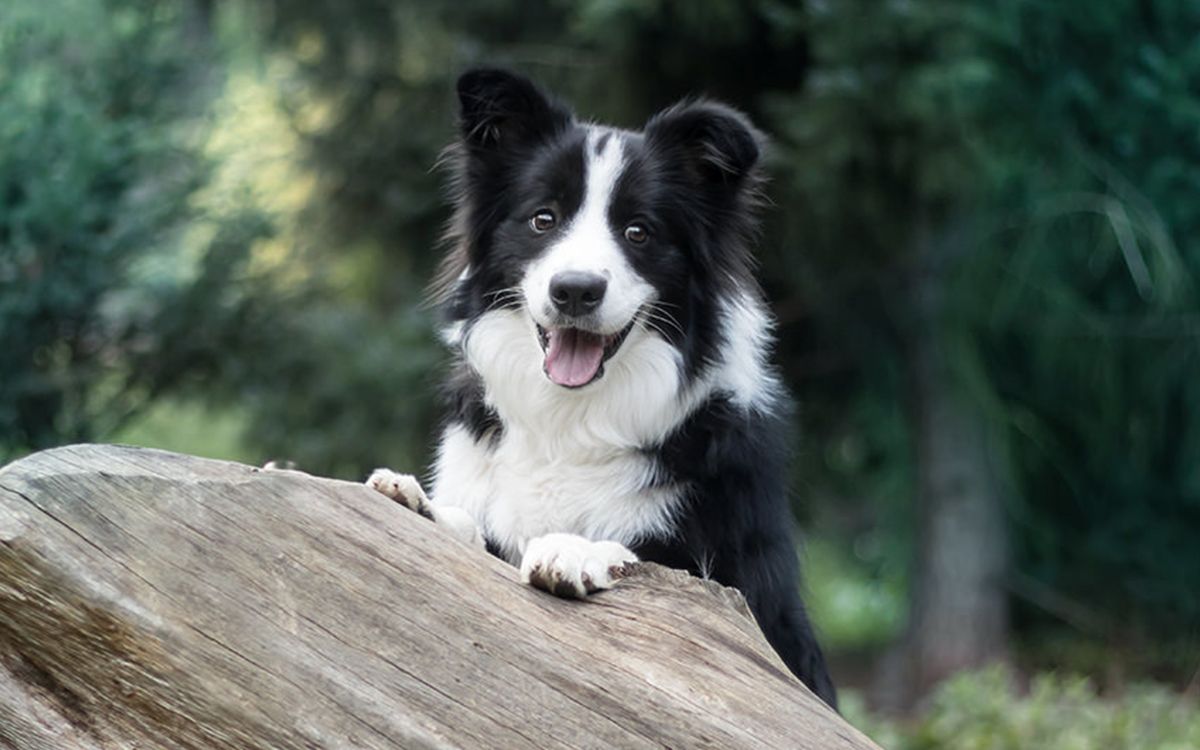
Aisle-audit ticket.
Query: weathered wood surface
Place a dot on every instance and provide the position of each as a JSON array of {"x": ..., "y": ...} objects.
[{"x": 155, "y": 600}]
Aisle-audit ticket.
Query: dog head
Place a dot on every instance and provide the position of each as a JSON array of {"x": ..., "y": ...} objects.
[{"x": 603, "y": 239}]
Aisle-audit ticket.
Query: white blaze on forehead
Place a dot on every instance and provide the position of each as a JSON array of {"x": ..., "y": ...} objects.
[
  {"x": 588, "y": 243},
  {"x": 605, "y": 162}
]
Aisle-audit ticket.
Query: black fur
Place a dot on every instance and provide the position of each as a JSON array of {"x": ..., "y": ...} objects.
[
  {"x": 736, "y": 527},
  {"x": 693, "y": 176}
]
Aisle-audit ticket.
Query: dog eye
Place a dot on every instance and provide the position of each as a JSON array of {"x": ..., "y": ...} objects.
[
  {"x": 543, "y": 221},
  {"x": 636, "y": 233}
]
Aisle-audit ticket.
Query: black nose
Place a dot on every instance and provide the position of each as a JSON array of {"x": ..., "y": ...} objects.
[{"x": 577, "y": 292}]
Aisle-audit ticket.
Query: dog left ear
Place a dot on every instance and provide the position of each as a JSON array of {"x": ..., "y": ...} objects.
[
  {"x": 500, "y": 109},
  {"x": 716, "y": 142}
]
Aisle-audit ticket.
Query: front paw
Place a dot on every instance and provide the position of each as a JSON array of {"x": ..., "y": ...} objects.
[
  {"x": 571, "y": 566},
  {"x": 403, "y": 488}
]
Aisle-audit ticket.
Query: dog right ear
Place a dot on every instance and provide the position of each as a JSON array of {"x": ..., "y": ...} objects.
[
  {"x": 715, "y": 143},
  {"x": 499, "y": 109}
]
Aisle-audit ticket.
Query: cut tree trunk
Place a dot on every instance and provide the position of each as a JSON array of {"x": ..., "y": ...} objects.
[{"x": 155, "y": 600}]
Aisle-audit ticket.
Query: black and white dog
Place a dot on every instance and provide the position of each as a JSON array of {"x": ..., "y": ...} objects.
[{"x": 612, "y": 398}]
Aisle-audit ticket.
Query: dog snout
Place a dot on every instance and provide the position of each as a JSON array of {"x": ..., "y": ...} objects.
[{"x": 577, "y": 293}]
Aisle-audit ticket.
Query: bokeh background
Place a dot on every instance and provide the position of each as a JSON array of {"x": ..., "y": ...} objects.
[{"x": 983, "y": 247}]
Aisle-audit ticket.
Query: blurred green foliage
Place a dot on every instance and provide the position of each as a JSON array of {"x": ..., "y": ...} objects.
[
  {"x": 188, "y": 427},
  {"x": 116, "y": 285},
  {"x": 1091, "y": 338},
  {"x": 92, "y": 175},
  {"x": 1057, "y": 144},
  {"x": 986, "y": 711},
  {"x": 855, "y": 607}
]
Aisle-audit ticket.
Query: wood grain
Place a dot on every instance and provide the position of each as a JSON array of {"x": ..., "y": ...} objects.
[{"x": 150, "y": 599}]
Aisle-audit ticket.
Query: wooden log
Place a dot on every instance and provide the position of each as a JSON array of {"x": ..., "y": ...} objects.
[{"x": 155, "y": 600}]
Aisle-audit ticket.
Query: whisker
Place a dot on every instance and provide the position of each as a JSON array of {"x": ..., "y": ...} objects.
[
  {"x": 505, "y": 296},
  {"x": 659, "y": 328},
  {"x": 662, "y": 321},
  {"x": 663, "y": 324},
  {"x": 657, "y": 311}
]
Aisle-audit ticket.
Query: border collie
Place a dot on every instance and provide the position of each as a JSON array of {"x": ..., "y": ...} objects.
[{"x": 612, "y": 398}]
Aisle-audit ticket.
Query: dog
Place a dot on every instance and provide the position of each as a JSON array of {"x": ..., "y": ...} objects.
[{"x": 612, "y": 397}]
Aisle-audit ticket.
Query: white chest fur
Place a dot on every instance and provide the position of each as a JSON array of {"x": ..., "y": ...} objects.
[
  {"x": 517, "y": 492},
  {"x": 567, "y": 461}
]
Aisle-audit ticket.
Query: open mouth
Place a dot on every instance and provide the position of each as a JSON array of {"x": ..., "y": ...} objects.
[{"x": 575, "y": 357}]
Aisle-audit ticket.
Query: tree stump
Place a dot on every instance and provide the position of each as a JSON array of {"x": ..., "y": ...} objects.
[{"x": 155, "y": 600}]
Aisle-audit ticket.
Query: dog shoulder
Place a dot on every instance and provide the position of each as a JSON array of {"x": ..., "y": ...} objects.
[{"x": 731, "y": 462}]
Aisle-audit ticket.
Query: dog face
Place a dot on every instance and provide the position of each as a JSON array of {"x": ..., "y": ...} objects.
[{"x": 604, "y": 239}]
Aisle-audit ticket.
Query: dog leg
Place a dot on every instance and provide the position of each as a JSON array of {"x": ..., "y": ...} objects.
[
  {"x": 572, "y": 566},
  {"x": 406, "y": 490}
]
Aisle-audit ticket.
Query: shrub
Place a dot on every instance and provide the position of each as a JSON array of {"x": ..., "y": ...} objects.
[{"x": 986, "y": 711}]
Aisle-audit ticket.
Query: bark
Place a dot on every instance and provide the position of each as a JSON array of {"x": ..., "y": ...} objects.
[
  {"x": 149, "y": 599},
  {"x": 960, "y": 618}
]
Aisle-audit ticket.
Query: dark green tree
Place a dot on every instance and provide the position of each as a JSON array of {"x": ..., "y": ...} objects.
[{"x": 92, "y": 183}]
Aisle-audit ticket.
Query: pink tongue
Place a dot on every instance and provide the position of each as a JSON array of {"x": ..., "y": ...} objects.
[{"x": 573, "y": 356}]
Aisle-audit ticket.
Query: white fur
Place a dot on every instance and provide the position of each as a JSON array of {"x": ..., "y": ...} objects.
[
  {"x": 459, "y": 523},
  {"x": 743, "y": 371},
  {"x": 566, "y": 461},
  {"x": 569, "y": 564},
  {"x": 452, "y": 334},
  {"x": 588, "y": 243}
]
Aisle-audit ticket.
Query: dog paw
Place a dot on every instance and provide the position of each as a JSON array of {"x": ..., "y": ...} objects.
[
  {"x": 403, "y": 488},
  {"x": 571, "y": 566}
]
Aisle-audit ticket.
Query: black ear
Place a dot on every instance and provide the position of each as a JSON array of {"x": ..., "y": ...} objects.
[
  {"x": 499, "y": 108},
  {"x": 715, "y": 143}
]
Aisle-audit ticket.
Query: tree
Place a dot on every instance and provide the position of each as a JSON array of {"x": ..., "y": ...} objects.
[{"x": 96, "y": 172}]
